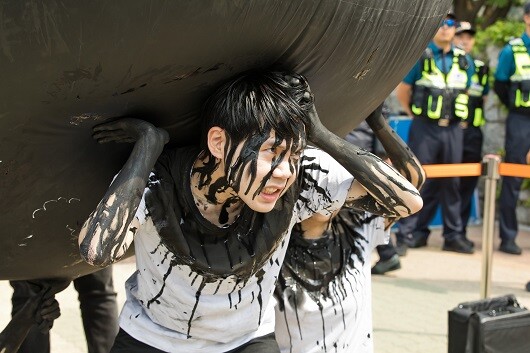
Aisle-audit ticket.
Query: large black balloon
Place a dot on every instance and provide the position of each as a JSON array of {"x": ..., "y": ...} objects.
[{"x": 67, "y": 65}]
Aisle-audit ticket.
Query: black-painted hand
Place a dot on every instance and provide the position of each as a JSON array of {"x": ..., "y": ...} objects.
[
  {"x": 48, "y": 309},
  {"x": 46, "y": 315},
  {"x": 306, "y": 100},
  {"x": 127, "y": 130}
]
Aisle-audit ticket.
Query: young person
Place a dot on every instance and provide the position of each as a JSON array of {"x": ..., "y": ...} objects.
[
  {"x": 324, "y": 290},
  {"x": 211, "y": 228}
]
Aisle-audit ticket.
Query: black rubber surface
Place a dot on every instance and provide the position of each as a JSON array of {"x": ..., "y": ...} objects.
[{"x": 66, "y": 66}]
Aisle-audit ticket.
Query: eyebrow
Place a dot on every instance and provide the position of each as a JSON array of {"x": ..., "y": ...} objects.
[{"x": 271, "y": 141}]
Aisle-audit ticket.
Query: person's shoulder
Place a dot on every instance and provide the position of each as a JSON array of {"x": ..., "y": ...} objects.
[
  {"x": 506, "y": 53},
  {"x": 314, "y": 156},
  {"x": 176, "y": 153},
  {"x": 515, "y": 41},
  {"x": 508, "y": 47},
  {"x": 459, "y": 51},
  {"x": 312, "y": 152},
  {"x": 479, "y": 63}
]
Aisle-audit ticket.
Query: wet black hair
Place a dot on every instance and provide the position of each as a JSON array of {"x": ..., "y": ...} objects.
[{"x": 256, "y": 102}]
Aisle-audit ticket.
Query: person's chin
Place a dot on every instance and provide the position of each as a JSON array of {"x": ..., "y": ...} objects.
[{"x": 262, "y": 207}]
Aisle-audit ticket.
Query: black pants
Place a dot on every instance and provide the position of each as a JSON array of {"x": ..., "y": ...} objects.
[
  {"x": 472, "y": 154},
  {"x": 434, "y": 144},
  {"x": 517, "y": 143},
  {"x": 99, "y": 311},
  {"x": 125, "y": 343}
]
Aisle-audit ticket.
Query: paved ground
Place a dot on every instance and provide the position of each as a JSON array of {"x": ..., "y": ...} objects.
[{"x": 410, "y": 305}]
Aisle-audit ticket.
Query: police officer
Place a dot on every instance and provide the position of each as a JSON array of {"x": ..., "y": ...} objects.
[
  {"x": 434, "y": 94},
  {"x": 512, "y": 85},
  {"x": 473, "y": 138}
]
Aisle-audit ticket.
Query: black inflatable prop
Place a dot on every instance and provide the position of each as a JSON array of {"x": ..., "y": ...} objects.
[{"x": 68, "y": 65}]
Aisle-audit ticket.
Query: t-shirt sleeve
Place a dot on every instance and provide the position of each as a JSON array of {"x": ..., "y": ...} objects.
[
  {"x": 141, "y": 212},
  {"x": 413, "y": 75},
  {"x": 324, "y": 184},
  {"x": 375, "y": 232},
  {"x": 506, "y": 65}
]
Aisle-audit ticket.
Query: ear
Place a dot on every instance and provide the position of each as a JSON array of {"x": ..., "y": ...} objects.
[{"x": 216, "y": 140}]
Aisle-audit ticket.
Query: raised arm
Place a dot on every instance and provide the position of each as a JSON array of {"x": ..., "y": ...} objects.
[
  {"x": 396, "y": 149},
  {"x": 378, "y": 188},
  {"x": 109, "y": 230}
]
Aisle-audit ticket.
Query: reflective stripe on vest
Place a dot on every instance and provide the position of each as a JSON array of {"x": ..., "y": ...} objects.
[
  {"x": 520, "y": 80},
  {"x": 437, "y": 95},
  {"x": 476, "y": 93}
]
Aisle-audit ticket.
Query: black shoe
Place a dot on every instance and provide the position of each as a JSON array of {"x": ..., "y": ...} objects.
[
  {"x": 528, "y": 286},
  {"x": 509, "y": 247},
  {"x": 401, "y": 248},
  {"x": 458, "y": 245},
  {"x": 468, "y": 242},
  {"x": 382, "y": 267},
  {"x": 415, "y": 240}
]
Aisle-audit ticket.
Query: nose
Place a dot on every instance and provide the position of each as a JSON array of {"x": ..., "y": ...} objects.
[{"x": 283, "y": 170}]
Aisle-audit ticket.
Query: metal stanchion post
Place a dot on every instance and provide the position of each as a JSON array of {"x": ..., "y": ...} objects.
[{"x": 491, "y": 164}]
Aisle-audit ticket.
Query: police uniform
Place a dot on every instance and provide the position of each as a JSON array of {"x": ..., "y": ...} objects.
[
  {"x": 512, "y": 85},
  {"x": 439, "y": 103},
  {"x": 473, "y": 137}
]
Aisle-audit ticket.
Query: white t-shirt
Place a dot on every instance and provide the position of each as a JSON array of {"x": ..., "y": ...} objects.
[
  {"x": 339, "y": 321},
  {"x": 180, "y": 300}
]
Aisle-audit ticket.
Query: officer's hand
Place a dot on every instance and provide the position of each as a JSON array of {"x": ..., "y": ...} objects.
[{"x": 528, "y": 157}]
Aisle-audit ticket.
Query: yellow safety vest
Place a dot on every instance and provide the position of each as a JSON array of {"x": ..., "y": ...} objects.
[
  {"x": 437, "y": 95},
  {"x": 520, "y": 80},
  {"x": 476, "y": 93}
]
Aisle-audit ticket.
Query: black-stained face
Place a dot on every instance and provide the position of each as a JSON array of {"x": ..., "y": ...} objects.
[{"x": 261, "y": 168}]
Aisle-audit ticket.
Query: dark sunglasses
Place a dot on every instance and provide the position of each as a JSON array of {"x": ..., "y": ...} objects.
[{"x": 449, "y": 22}]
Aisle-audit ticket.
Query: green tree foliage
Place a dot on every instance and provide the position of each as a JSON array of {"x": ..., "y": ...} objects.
[
  {"x": 483, "y": 13},
  {"x": 497, "y": 34}
]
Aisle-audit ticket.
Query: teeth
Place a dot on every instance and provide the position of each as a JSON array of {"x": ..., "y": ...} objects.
[{"x": 269, "y": 190}]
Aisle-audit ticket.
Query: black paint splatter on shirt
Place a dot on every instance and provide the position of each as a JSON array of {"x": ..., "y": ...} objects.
[{"x": 318, "y": 266}]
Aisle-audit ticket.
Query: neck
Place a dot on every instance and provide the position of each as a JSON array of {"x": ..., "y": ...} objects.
[
  {"x": 445, "y": 46},
  {"x": 216, "y": 201},
  {"x": 527, "y": 31}
]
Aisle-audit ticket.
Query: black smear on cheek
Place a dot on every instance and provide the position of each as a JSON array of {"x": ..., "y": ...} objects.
[
  {"x": 247, "y": 157},
  {"x": 275, "y": 163}
]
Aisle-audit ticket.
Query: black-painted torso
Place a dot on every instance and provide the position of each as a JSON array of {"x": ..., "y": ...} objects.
[
  {"x": 239, "y": 249},
  {"x": 313, "y": 263}
]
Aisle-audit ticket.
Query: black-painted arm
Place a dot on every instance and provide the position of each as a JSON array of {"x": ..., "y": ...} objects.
[
  {"x": 378, "y": 188},
  {"x": 109, "y": 230},
  {"x": 396, "y": 149}
]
